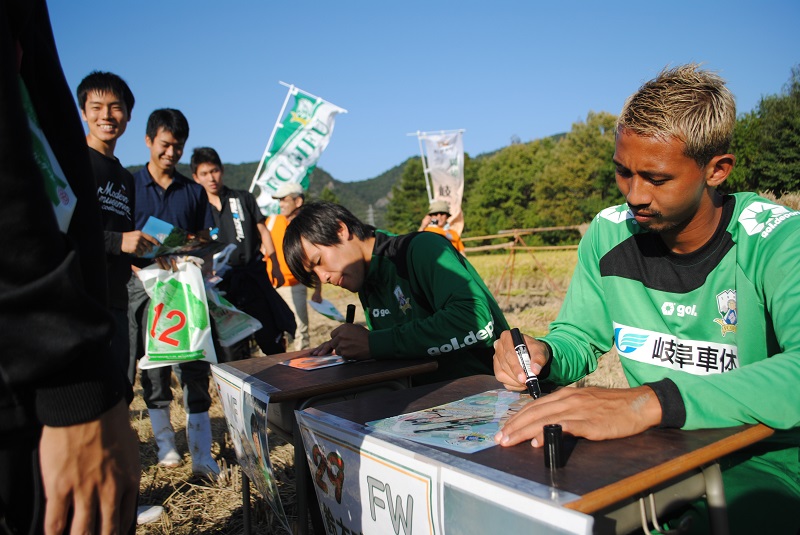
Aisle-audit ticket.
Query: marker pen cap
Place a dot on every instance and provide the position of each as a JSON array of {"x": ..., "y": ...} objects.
[{"x": 553, "y": 446}]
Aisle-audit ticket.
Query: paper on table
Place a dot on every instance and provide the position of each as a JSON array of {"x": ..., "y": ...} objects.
[
  {"x": 466, "y": 425},
  {"x": 315, "y": 363},
  {"x": 327, "y": 309}
]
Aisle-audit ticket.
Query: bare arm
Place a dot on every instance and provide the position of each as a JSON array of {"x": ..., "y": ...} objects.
[
  {"x": 425, "y": 222},
  {"x": 593, "y": 413},
  {"x": 268, "y": 250},
  {"x": 348, "y": 340},
  {"x": 93, "y": 469},
  {"x": 267, "y": 247},
  {"x": 137, "y": 242}
]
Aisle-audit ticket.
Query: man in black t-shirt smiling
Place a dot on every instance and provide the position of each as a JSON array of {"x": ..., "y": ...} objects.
[{"x": 106, "y": 103}]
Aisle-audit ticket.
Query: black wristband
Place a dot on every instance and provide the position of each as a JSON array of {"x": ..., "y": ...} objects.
[{"x": 673, "y": 410}]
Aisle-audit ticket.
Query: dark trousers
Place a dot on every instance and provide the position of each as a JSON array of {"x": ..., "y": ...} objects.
[{"x": 193, "y": 377}]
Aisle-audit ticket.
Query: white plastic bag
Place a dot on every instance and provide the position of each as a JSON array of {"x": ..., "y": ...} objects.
[
  {"x": 178, "y": 326},
  {"x": 232, "y": 324}
]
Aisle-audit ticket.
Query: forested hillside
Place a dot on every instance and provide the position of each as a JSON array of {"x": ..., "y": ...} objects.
[
  {"x": 356, "y": 196},
  {"x": 560, "y": 180}
]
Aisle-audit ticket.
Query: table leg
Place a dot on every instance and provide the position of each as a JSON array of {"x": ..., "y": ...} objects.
[
  {"x": 300, "y": 481},
  {"x": 715, "y": 496},
  {"x": 246, "y": 503},
  {"x": 307, "y": 506}
]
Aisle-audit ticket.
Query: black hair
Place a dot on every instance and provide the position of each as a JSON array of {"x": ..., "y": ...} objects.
[
  {"x": 104, "y": 82},
  {"x": 171, "y": 120},
  {"x": 205, "y": 155},
  {"x": 318, "y": 222}
]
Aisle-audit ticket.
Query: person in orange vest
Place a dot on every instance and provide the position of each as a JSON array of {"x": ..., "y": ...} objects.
[
  {"x": 436, "y": 220},
  {"x": 291, "y": 197}
]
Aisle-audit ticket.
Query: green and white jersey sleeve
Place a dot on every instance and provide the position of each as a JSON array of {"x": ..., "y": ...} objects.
[
  {"x": 424, "y": 299},
  {"x": 721, "y": 323}
]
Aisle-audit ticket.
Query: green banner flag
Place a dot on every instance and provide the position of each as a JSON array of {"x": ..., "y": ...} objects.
[{"x": 298, "y": 143}]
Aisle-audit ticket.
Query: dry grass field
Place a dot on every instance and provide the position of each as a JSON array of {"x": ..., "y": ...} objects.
[{"x": 530, "y": 296}]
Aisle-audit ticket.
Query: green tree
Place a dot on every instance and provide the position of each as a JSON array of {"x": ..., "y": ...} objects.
[
  {"x": 766, "y": 143},
  {"x": 579, "y": 180},
  {"x": 327, "y": 194},
  {"x": 777, "y": 167},
  {"x": 745, "y": 146},
  {"x": 503, "y": 188},
  {"x": 409, "y": 200}
]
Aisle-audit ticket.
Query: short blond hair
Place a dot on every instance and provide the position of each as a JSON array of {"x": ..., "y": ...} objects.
[{"x": 686, "y": 103}]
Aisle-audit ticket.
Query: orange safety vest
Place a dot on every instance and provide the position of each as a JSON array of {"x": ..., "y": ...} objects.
[
  {"x": 451, "y": 235},
  {"x": 276, "y": 224}
]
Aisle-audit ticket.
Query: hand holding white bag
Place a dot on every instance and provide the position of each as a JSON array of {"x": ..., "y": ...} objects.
[{"x": 178, "y": 326}]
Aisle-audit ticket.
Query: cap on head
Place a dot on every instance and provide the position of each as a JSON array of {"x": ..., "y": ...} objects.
[
  {"x": 439, "y": 207},
  {"x": 288, "y": 188}
]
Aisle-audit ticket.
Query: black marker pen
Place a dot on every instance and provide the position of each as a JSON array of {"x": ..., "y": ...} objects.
[
  {"x": 351, "y": 314},
  {"x": 531, "y": 381}
]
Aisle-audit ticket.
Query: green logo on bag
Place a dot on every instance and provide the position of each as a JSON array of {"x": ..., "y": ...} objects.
[{"x": 175, "y": 315}]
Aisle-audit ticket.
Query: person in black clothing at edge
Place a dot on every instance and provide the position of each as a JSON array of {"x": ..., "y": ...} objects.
[
  {"x": 69, "y": 460},
  {"x": 247, "y": 285}
]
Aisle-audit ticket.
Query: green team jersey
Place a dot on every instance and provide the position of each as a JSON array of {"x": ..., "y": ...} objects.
[
  {"x": 423, "y": 298},
  {"x": 716, "y": 332}
]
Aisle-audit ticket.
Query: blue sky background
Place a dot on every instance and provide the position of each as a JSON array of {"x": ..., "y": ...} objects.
[{"x": 494, "y": 68}]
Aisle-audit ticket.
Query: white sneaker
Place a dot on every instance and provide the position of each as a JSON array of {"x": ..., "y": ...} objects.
[{"x": 145, "y": 514}]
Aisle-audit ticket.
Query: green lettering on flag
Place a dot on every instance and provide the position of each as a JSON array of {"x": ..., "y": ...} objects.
[{"x": 296, "y": 147}]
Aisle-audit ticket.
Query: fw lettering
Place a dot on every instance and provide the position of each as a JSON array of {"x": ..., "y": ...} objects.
[{"x": 380, "y": 497}]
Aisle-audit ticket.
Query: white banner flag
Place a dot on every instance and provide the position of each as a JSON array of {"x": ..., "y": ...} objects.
[
  {"x": 445, "y": 163},
  {"x": 296, "y": 145}
]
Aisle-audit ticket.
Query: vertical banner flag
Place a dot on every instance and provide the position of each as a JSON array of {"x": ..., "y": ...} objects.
[
  {"x": 445, "y": 165},
  {"x": 297, "y": 141}
]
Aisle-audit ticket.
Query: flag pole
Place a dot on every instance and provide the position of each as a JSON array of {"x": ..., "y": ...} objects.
[
  {"x": 297, "y": 89},
  {"x": 292, "y": 90},
  {"x": 425, "y": 169}
]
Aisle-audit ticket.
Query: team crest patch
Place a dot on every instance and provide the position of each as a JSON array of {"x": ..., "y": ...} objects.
[
  {"x": 402, "y": 301},
  {"x": 726, "y": 304}
]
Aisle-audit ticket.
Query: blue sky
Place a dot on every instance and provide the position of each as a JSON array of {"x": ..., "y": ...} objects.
[{"x": 494, "y": 68}]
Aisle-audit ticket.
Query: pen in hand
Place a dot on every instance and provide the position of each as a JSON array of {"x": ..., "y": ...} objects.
[
  {"x": 351, "y": 314},
  {"x": 531, "y": 381}
]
